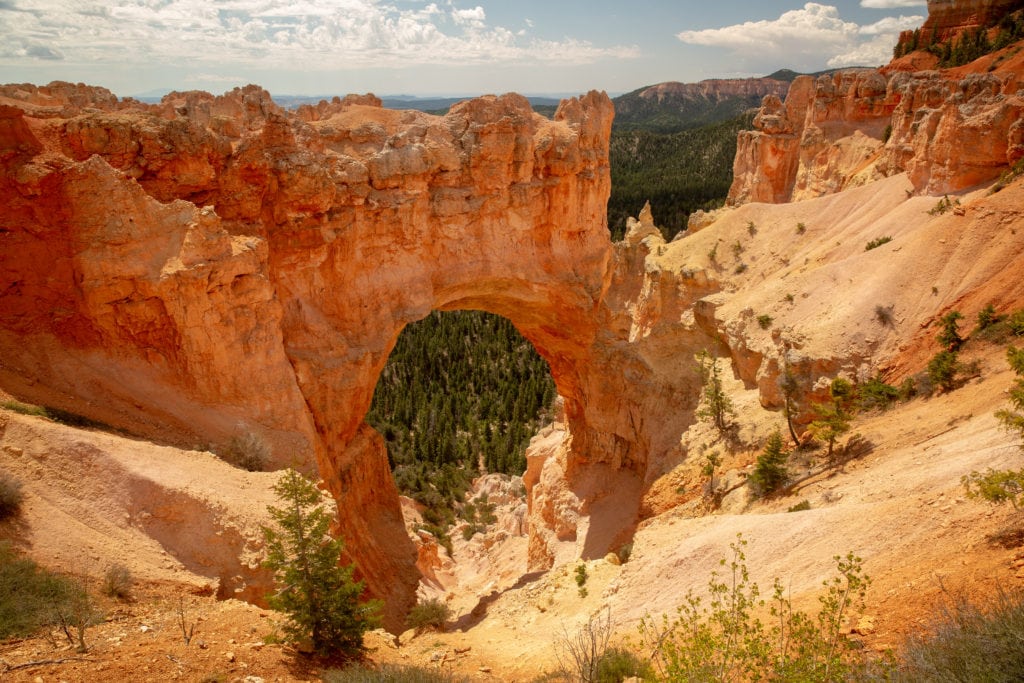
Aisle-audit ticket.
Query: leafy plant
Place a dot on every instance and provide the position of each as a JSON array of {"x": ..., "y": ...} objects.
[
  {"x": 764, "y": 321},
  {"x": 32, "y": 598},
  {"x": 770, "y": 472},
  {"x": 883, "y": 314},
  {"x": 319, "y": 596},
  {"x": 724, "y": 641},
  {"x": 1013, "y": 419},
  {"x": 943, "y": 205},
  {"x": 581, "y": 579},
  {"x": 987, "y": 317},
  {"x": 876, "y": 394},
  {"x": 737, "y": 249}
]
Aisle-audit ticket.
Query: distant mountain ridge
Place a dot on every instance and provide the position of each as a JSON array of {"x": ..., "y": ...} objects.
[{"x": 672, "y": 107}]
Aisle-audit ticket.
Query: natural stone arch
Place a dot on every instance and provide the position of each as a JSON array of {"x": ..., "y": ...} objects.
[{"x": 211, "y": 264}]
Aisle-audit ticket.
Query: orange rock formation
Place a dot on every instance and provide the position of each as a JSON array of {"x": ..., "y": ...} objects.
[{"x": 215, "y": 264}]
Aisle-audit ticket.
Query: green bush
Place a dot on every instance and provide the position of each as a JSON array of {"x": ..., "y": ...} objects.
[
  {"x": 388, "y": 673},
  {"x": 723, "y": 640},
  {"x": 117, "y": 581},
  {"x": 764, "y": 321},
  {"x": 802, "y": 506},
  {"x": 11, "y": 496},
  {"x": 431, "y": 614},
  {"x": 970, "y": 642},
  {"x": 875, "y": 393},
  {"x": 32, "y": 598},
  {"x": 617, "y": 664},
  {"x": 949, "y": 337},
  {"x": 877, "y": 242}
]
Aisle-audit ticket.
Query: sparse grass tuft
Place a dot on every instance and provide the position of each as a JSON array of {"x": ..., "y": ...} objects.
[
  {"x": 800, "y": 507},
  {"x": 117, "y": 582},
  {"x": 11, "y": 496},
  {"x": 877, "y": 242},
  {"x": 389, "y": 673},
  {"x": 248, "y": 451}
]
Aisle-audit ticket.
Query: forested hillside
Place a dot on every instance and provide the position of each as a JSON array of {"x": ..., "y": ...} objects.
[
  {"x": 462, "y": 393},
  {"x": 678, "y": 172}
]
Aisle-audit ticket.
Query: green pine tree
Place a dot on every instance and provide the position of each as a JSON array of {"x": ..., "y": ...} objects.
[
  {"x": 318, "y": 594},
  {"x": 770, "y": 472},
  {"x": 717, "y": 406}
]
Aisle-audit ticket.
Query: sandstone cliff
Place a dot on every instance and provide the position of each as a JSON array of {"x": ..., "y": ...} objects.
[
  {"x": 950, "y": 130},
  {"x": 212, "y": 265}
]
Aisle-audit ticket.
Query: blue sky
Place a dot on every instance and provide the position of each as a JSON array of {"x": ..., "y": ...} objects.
[{"x": 436, "y": 47}]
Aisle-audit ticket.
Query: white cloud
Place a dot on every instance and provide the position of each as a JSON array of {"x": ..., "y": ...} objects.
[
  {"x": 892, "y": 4},
  {"x": 806, "y": 38},
  {"x": 312, "y": 35}
]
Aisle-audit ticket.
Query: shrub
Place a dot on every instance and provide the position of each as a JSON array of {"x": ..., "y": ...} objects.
[
  {"x": 970, "y": 642},
  {"x": 800, "y": 507},
  {"x": 11, "y": 496},
  {"x": 319, "y": 596},
  {"x": 801, "y": 228},
  {"x": 883, "y": 314},
  {"x": 32, "y": 598},
  {"x": 625, "y": 552},
  {"x": 764, "y": 321},
  {"x": 996, "y": 486},
  {"x": 751, "y": 228},
  {"x": 580, "y": 653},
  {"x": 431, "y": 614},
  {"x": 943, "y": 205},
  {"x": 943, "y": 369},
  {"x": 877, "y": 242},
  {"x": 1013, "y": 419},
  {"x": 1016, "y": 323},
  {"x": 117, "y": 581},
  {"x": 618, "y": 664},
  {"x": 875, "y": 393},
  {"x": 388, "y": 673},
  {"x": 24, "y": 408},
  {"x": 248, "y": 451},
  {"x": 770, "y": 472},
  {"x": 581, "y": 579},
  {"x": 987, "y": 317},
  {"x": 723, "y": 641},
  {"x": 740, "y": 268},
  {"x": 737, "y": 249}
]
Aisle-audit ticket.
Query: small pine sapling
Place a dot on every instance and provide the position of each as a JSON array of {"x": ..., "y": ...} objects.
[{"x": 320, "y": 597}]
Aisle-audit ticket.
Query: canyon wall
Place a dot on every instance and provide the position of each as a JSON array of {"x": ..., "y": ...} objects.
[{"x": 948, "y": 130}]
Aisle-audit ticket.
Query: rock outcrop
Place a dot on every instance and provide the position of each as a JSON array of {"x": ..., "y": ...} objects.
[
  {"x": 949, "y": 18},
  {"x": 948, "y": 131}
]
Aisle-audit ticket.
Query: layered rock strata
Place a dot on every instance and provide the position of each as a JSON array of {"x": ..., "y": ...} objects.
[{"x": 215, "y": 265}]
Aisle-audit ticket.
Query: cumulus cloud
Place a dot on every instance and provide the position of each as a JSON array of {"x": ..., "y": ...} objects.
[
  {"x": 307, "y": 34},
  {"x": 892, "y": 4},
  {"x": 806, "y": 38}
]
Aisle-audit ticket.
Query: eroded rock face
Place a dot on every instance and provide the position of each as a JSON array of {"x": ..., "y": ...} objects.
[
  {"x": 948, "y": 131},
  {"x": 212, "y": 265}
]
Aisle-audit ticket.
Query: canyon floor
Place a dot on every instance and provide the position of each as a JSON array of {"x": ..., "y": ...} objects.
[{"x": 187, "y": 525}]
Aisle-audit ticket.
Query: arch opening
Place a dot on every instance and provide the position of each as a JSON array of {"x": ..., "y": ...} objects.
[{"x": 460, "y": 396}]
